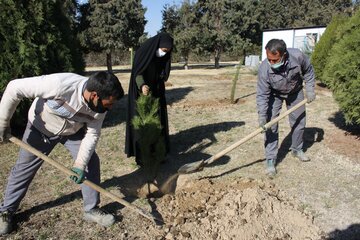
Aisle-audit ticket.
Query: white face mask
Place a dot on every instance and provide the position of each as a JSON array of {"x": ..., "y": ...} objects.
[{"x": 160, "y": 53}]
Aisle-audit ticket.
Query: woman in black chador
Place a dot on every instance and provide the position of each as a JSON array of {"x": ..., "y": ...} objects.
[{"x": 151, "y": 69}]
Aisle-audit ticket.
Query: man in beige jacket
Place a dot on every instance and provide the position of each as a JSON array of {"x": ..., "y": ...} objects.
[{"x": 67, "y": 109}]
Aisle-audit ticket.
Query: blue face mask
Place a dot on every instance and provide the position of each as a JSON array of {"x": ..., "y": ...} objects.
[{"x": 277, "y": 65}]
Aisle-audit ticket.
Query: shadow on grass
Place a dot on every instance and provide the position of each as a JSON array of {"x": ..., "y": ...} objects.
[
  {"x": 245, "y": 96},
  {"x": 23, "y": 216},
  {"x": 176, "y": 94},
  {"x": 186, "y": 147},
  {"x": 311, "y": 136},
  {"x": 190, "y": 144},
  {"x": 234, "y": 169},
  {"x": 351, "y": 233},
  {"x": 339, "y": 120}
]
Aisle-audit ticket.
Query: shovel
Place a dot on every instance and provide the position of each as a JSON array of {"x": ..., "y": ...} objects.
[
  {"x": 198, "y": 166},
  {"x": 87, "y": 182}
]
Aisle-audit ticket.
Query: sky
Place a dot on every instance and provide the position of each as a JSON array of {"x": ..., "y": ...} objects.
[{"x": 153, "y": 14}]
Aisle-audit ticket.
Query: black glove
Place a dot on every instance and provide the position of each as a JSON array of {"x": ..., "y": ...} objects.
[
  {"x": 5, "y": 134},
  {"x": 310, "y": 96},
  {"x": 262, "y": 122}
]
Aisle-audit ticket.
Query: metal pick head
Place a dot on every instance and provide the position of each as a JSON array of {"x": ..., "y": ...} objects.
[{"x": 192, "y": 167}]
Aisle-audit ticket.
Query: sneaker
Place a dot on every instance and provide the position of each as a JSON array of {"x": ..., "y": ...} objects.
[
  {"x": 270, "y": 167},
  {"x": 300, "y": 155},
  {"x": 100, "y": 217},
  {"x": 6, "y": 224}
]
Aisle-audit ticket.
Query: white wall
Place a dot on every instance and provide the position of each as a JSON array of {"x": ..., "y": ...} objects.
[
  {"x": 292, "y": 37},
  {"x": 286, "y": 35}
]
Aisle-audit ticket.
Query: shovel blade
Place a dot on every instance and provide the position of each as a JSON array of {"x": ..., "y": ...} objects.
[{"x": 192, "y": 167}]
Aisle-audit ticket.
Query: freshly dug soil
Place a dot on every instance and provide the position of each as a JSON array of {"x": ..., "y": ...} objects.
[{"x": 241, "y": 209}]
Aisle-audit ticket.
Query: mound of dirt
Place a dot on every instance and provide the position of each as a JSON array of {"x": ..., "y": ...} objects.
[{"x": 243, "y": 209}]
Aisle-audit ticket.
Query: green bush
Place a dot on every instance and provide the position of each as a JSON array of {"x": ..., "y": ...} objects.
[
  {"x": 322, "y": 50},
  {"x": 342, "y": 72}
]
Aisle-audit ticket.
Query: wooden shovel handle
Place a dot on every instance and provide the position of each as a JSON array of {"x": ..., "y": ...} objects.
[
  {"x": 87, "y": 182},
  {"x": 256, "y": 132}
]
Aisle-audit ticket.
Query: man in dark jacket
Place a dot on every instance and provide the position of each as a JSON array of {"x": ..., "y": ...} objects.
[{"x": 281, "y": 79}]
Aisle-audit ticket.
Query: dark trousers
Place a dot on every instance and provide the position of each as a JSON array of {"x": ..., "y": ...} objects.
[
  {"x": 27, "y": 165},
  {"x": 297, "y": 120}
]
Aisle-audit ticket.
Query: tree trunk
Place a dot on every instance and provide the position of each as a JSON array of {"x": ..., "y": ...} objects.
[
  {"x": 186, "y": 65},
  {"x": 108, "y": 61},
  {"x": 217, "y": 58},
  {"x": 244, "y": 57}
]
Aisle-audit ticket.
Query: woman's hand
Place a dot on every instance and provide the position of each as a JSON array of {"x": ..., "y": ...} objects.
[{"x": 145, "y": 89}]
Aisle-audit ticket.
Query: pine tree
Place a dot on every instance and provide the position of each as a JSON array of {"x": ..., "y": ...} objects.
[
  {"x": 148, "y": 126},
  {"x": 243, "y": 21},
  {"x": 213, "y": 34},
  {"x": 114, "y": 24},
  {"x": 183, "y": 26}
]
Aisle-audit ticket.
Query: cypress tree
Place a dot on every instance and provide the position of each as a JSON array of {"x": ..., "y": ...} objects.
[
  {"x": 320, "y": 56},
  {"x": 148, "y": 126},
  {"x": 234, "y": 83},
  {"x": 342, "y": 71},
  {"x": 36, "y": 37}
]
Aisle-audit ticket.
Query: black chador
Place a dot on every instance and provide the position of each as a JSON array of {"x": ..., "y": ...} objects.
[{"x": 150, "y": 68}]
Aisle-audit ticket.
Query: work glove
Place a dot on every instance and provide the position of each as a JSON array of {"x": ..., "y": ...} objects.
[
  {"x": 5, "y": 134},
  {"x": 79, "y": 176},
  {"x": 310, "y": 96},
  {"x": 262, "y": 122}
]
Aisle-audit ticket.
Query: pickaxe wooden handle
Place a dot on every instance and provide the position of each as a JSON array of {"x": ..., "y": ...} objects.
[{"x": 87, "y": 182}]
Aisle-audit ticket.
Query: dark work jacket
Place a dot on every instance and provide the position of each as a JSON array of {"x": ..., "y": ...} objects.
[{"x": 286, "y": 81}]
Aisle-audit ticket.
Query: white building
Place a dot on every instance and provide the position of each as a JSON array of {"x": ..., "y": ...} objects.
[{"x": 303, "y": 38}]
